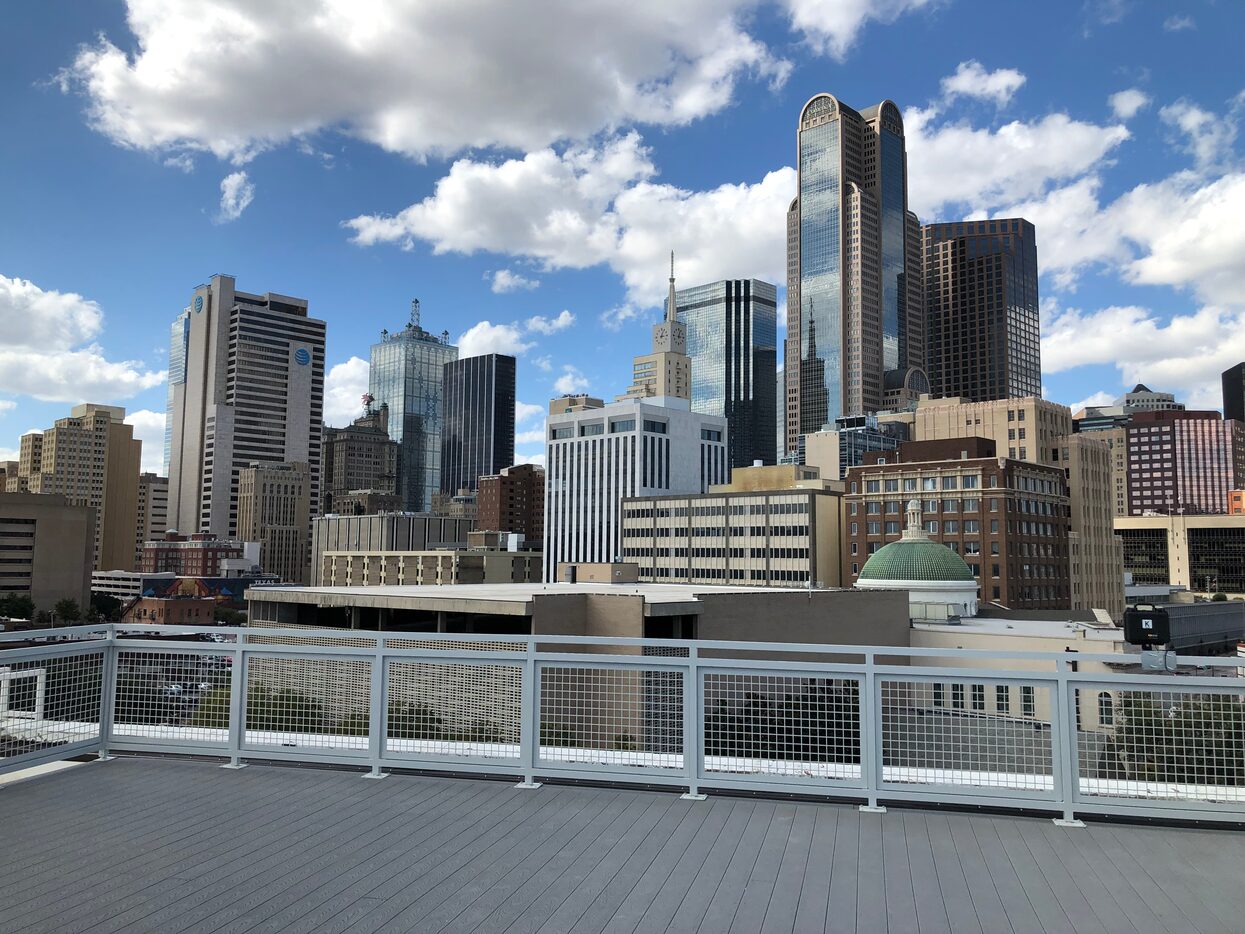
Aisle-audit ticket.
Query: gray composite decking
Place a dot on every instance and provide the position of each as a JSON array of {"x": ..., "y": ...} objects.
[{"x": 170, "y": 846}]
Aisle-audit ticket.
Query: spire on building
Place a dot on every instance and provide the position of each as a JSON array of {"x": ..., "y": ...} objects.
[{"x": 671, "y": 303}]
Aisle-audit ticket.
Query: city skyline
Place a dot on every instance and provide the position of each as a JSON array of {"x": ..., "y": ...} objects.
[{"x": 1138, "y": 140}]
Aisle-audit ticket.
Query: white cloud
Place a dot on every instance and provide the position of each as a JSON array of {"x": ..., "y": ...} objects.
[
  {"x": 1128, "y": 103},
  {"x": 486, "y": 337},
  {"x": 421, "y": 77},
  {"x": 149, "y": 429},
  {"x": 504, "y": 280},
  {"x": 537, "y": 459},
  {"x": 833, "y": 26},
  {"x": 48, "y": 349},
  {"x": 7, "y": 405},
  {"x": 532, "y": 436},
  {"x": 545, "y": 363},
  {"x": 1099, "y": 398},
  {"x": 1177, "y": 23},
  {"x": 972, "y": 80},
  {"x": 543, "y": 325},
  {"x": 1208, "y": 137},
  {"x": 1184, "y": 355},
  {"x": 571, "y": 382},
  {"x": 1019, "y": 159},
  {"x": 344, "y": 387},
  {"x": 236, "y": 193},
  {"x": 588, "y": 206},
  {"x": 524, "y": 412}
]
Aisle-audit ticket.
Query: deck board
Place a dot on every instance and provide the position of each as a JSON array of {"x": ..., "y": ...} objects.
[{"x": 169, "y": 845}]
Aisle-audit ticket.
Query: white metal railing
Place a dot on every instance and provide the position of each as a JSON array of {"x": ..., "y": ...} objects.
[{"x": 1063, "y": 732}]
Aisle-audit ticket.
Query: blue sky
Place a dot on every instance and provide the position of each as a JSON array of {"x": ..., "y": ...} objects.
[{"x": 524, "y": 169}]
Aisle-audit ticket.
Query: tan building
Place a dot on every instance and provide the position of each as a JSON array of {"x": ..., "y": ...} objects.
[
  {"x": 92, "y": 459},
  {"x": 274, "y": 509},
  {"x": 667, "y": 371},
  {"x": 1026, "y": 429},
  {"x": 459, "y": 566},
  {"x": 1094, "y": 550},
  {"x": 46, "y": 548},
  {"x": 153, "y": 512},
  {"x": 359, "y": 457},
  {"x": 770, "y": 527},
  {"x": 1205, "y": 554}
]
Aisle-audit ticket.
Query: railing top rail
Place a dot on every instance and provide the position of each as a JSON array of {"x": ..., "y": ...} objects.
[
  {"x": 380, "y": 642},
  {"x": 97, "y": 630}
]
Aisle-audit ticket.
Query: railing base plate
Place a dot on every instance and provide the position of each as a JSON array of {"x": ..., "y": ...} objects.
[
  {"x": 872, "y": 809},
  {"x": 104, "y": 757},
  {"x": 528, "y": 785},
  {"x": 691, "y": 797},
  {"x": 376, "y": 775},
  {"x": 234, "y": 765},
  {"x": 1062, "y": 822}
]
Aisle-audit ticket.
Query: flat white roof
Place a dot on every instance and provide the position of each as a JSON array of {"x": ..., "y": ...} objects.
[{"x": 1035, "y": 628}]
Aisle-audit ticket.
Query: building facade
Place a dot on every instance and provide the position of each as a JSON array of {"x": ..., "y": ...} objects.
[
  {"x": 47, "y": 549},
  {"x": 854, "y": 436},
  {"x": 406, "y": 375},
  {"x": 92, "y": 459},
  {"x": 390, "y": 532},
  {"x": 153, "y": 512},
  {"x": 429, "y": 568},
  {"x": 358, "y": 459},
  {"x": 274, "y": 509},
  {"x": 199, "y": 555},
  {"x": 1008, "y": 519},
  {"x": 513, "y": 500},
  {"x": 732, "y": 340},
  {"x": 1095, "y": 553},
  {"x": 1233, "y": 380},
  {"x": 596, "y": 456},
  {"x": 1183, "y": 462},
  {"x": 1205, "y": 554},
  {"x": 1117, "y": 415},
  {"x": 478, "y": 427},
  {"x": 1026, "y": 429},
  {"x": 854, "y": 293},
  {"x": 246, "y": 385},
  {"x": 981, "y": 309},
  {"x": 769, "y": 527}
]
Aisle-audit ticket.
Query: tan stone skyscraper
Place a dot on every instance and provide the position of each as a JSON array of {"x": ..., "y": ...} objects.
[
  {"x": 274, "y": 509},
  {"x": 92, "y": 459},
  {"x": 667, "y": 371},
  {"x": 855, "y": 304}
]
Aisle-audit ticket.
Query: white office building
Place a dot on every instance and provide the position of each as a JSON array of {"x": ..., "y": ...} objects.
[
  {"x": 246, "y": 385},
  {"x": 595, "y": 455}
]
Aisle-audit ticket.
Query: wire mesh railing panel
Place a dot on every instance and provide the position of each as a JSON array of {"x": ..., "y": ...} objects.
[
  {"x": 628, "y": 718},
  {"x": 977, "y": 735},
  {"x": 464, "y": 646},
  {"x": 174, "y": 698},
  {"x": 332, "y": 640},
  {"x": 49, "y": 702},
  {"x": 308, "y": 703},
  {"x": 782, "y": 727},
  {"x": 453, "y": 710},
  {"x": 1167, "y": 745}
]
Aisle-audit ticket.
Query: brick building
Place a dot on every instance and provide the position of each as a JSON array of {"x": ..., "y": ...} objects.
[
  {"x": 1008, "y": 519},
  {"x": 513, "y": 501}
]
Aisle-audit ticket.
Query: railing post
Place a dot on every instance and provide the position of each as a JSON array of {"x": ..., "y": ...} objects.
[
  {"x": 107, "y": 693},
  {"x": 529, "y": 718},
  {"x": 692, "y": 707},
  {"x": 376, "y": 716},
  {"x": 871, "y": 736},
  {"x": 237, "y": 705},
  {"x": 1063, "y": 738}
]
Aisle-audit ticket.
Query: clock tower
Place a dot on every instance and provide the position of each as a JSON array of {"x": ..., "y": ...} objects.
[{"x": 667, "y": 370}]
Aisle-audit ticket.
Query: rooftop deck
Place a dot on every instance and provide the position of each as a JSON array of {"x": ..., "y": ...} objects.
[{"x": 141, "y": 844}]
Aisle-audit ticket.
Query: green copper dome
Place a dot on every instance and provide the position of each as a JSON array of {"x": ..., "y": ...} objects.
[{"x": 915, "y": 559}]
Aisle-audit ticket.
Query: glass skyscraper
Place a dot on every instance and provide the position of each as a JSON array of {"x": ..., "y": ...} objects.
[
  {"x": 179, "y": 343},
  {"x": 478, "y": 436},
  {"x": 406, "y": 374},
  {"x": 732, "y": 339},
  {"x": 855, "y": 321}
]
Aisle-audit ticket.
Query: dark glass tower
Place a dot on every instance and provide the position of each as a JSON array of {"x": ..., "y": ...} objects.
[
  {"x": 406, "y": 376},
  {"x": 981, "y": 302},
  {"x": 732, "y": 338},
  {"x": 478, "y": 435},
  {"x": 853, "y": 278},
  {"x": 1233, "y": 392}
]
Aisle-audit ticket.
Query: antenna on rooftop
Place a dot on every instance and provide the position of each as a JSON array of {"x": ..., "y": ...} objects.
[{"x": 414, "y": 312}]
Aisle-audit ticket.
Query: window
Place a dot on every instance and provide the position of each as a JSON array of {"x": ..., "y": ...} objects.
[
  {"x": 979, "y": 697},
  {"x": 1106, "y": 709},
  {"x": 1028, "y": 707},
  {"x": 1002, "y": 698},
  {"x": 556, "y": 434},
  {"x": 929, "y": 483},
  {"x": 909, "y": 485},
  {"x": 892, "y": 486},
  {"x": 972, "y": 526},
  {"x": 656, "y": 427},
  {"x": 939, "y": 699},
  {"x": 872, "y": 486},
  {"x": 994, "y": 572},
  {"x": 892, "y": 528},
  {"x": 873, "y": 528},
  {"x": 971, "y": 483},
  {"x": 710, "y": 434},
  {"x": 622, "y": 424},
  {"x": 892, "y": 507},
  {"x": 950, "y": 483},
  {"x": 971, "y": 505},
  {"x": 950, "y": 505},
  {"x": 957, "y": 696},
  {"x": 951, "y": 527},
  {"x": 873, "y": 509},
  {"x": 594, "y": 429}
]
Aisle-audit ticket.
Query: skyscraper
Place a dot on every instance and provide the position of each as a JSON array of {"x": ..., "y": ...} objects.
[
  {"x": 246, "y": 385},
  {"x": 406, "y": 375},
  {"x": 478, "y": 432},
  {"x": 981, "y": 309},
  {"x": 855, "y": 320},
  {"x": 274, "y": 509},
  {"x": 732, "y": 342},
  {"x": 358, "y": 459},
  {"x": 1234, "y": 393}
]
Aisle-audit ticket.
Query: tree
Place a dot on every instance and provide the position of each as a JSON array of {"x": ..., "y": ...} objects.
[
  {"x": 228, "y": 617},
  {"x": 17, "y": 606},
  {"x": 1220, "y": 598},
  {"x": 1196, "y": 738},
  {"x": 67, "y": 611},
  {"x": 105, "y": 606}
]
